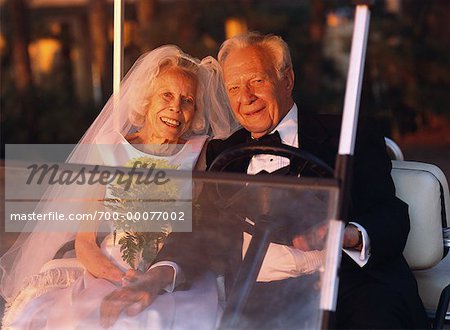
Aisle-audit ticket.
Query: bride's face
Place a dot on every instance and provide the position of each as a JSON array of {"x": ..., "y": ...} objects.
[{"x": 172, "y": 105}]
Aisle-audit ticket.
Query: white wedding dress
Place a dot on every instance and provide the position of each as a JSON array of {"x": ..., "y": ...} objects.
[{"x": 65, "y": 296}]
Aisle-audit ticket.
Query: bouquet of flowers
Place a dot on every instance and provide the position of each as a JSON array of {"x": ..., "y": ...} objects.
[{"x": 140, "y": 239}]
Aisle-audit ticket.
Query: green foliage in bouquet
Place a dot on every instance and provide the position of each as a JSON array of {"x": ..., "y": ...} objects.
[
  {"x": 141, "y": 239},
  {"x": 139, "y": 249}
]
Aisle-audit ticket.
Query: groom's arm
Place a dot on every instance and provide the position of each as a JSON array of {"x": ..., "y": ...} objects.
[
  {"x": 186, "y": 251},
  {"x": 202, "y": 249},
  {"x": 375, "y": 205},
  {"x": 183, "y": 254},
  {"x": 191, "y": 251}
]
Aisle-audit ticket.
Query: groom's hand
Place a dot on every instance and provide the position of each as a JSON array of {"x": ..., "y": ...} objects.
[{"x": 140, "y": 290}]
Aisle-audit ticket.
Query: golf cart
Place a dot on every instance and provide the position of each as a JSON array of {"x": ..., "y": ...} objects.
[{"x": 315, "y": 203}]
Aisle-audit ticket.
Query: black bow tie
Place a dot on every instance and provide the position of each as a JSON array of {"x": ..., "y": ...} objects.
[{"x": 270, "y": 139}]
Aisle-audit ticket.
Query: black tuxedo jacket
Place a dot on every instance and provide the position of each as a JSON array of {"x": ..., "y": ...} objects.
[
  {"x": 373, "y": 201},
  {"x": 373, "y": 205}
]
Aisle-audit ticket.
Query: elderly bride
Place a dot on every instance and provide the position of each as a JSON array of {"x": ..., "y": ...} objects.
[{"x": 168, "y": 105}]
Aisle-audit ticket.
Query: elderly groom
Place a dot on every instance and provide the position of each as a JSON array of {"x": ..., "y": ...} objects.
[{"x": 376, "y": 290}]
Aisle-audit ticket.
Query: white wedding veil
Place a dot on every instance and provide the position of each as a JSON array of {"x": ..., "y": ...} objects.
[{"x": 120, "y": 116}]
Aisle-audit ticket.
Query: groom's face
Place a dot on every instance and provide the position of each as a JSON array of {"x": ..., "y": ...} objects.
[{"x": 258, "y": 97}]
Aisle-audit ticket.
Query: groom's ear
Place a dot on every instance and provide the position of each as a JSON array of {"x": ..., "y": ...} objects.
[{"x": 289, "y": 80}]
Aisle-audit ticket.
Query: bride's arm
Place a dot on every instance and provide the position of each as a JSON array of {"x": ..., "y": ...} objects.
[{"x": 92, "y": 257}]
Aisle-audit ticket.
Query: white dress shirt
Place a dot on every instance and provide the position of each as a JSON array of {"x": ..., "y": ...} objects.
[{"x": 288, "y": 134}]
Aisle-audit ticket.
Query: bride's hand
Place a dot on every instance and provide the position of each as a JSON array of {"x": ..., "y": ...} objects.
[{"x": 137, "y": 295}]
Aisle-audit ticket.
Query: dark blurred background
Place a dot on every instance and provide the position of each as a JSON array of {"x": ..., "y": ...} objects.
[{"x": 56, "y": 58}]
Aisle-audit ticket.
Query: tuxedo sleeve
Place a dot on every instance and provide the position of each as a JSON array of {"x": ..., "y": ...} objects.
[
  {"x": 374, "y": 204},
  {"x": 185, "y": 250}
]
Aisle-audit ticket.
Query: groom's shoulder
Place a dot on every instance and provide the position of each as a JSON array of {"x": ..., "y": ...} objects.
[{"x": 217, "y": 146}]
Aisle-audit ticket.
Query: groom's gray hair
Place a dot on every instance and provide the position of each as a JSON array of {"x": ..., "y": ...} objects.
[{"x": 271, "y": 43}]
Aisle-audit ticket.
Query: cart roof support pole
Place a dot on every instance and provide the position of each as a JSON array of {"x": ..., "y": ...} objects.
[
  {"x": 117, "y": 55},
  {"x": 118, "y": 45},
  {"x": 343, "y": 170},
  {"x": 354, "y": 81}
]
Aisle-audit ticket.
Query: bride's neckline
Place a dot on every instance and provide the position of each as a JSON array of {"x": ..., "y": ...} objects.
[{"x": 144, "y": 148}]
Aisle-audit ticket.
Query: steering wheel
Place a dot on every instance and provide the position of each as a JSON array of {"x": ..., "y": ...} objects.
[
  {"x": 233, "y": 198},
  {"x": 301, "y": 162},
  {"x": 268, "y": 226}
]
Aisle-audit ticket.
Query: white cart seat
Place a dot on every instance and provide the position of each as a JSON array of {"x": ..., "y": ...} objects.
[{"x": 425, "y": 189}]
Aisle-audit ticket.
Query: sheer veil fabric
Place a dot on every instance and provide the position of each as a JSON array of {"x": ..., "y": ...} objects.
[{"x": 212, "y": 117}]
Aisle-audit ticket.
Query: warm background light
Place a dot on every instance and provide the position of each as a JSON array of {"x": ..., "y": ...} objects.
[
  {"x": 42, "y": 54},
  {"x": 2, "y": 44},
  {"x": 235, "y": 26}
]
